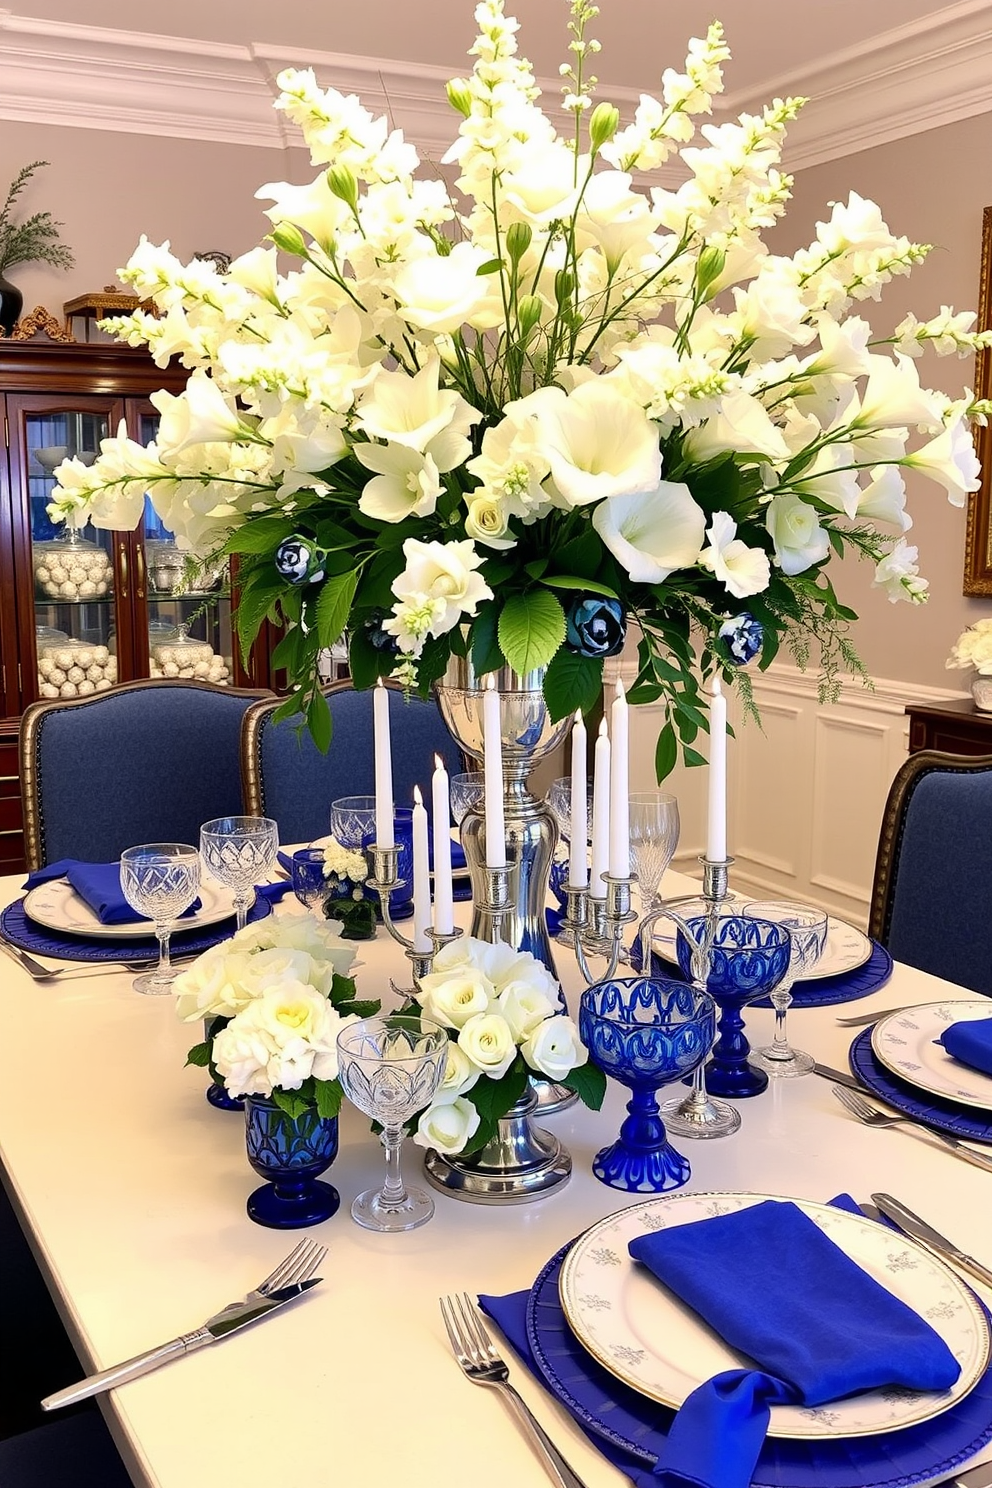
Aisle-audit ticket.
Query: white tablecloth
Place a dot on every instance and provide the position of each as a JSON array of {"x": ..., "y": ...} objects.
[{"x": 133, "y": 1189}]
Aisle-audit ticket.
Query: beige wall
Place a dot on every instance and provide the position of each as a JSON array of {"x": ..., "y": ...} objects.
[{"x": 932, "y": 187}]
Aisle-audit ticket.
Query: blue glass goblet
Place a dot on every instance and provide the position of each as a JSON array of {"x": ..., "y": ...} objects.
[
  {"x": 645, "y": 1032},
  {"x": 310, "y": 885},
  {"x": 748, "y": 958}
]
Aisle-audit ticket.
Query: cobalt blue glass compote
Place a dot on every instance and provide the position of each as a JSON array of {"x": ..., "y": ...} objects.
[
  {"x": 645, "y": 1032},
  {"x": 748, "y": 958}
]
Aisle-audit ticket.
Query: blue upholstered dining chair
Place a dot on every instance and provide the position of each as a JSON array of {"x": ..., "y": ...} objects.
[
  {"x": 285, "y": 776},
  {"x": 143, "y": 762},
  {"x": 932, "y": 895}
]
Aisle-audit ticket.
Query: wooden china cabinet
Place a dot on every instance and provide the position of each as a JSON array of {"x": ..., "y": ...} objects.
[{"x": 79, "y": 613}]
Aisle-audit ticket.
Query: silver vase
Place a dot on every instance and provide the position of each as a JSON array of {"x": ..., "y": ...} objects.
[
  {"x": 521, "y": 1163},
  {"x": 528, "y": 735}
]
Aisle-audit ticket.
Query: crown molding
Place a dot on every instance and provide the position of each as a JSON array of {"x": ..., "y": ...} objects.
[{"x": 931, "y": 72}]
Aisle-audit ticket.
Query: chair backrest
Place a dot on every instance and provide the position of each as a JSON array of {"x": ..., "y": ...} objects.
[
  {"x": 285, "y": 776},
  {"x": 143, "y": 762},
  {"x": 932, "y": 895}
]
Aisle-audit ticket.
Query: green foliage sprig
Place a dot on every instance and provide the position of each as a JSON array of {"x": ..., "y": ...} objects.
[{"x": 36, "y": 239}]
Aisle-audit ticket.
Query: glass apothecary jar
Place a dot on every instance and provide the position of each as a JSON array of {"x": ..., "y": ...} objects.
[
  {"x": 70, "y": 568},
  {"x": 178, "y": 654},
  {"x": 68, "y": 669}
]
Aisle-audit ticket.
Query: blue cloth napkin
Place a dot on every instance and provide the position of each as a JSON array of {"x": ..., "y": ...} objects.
[
  {"x": 971, "y": 1043},
  {"x": 98, "y": 885},
  {"x": 775, "y": 1287}
]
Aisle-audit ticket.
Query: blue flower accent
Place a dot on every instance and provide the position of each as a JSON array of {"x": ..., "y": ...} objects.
[
  {"x": 380, "y": 639},
  {"x": 298, "y": 560},
  {"x": 742, "y": 638},
  {"x": 595, "y": 626}
]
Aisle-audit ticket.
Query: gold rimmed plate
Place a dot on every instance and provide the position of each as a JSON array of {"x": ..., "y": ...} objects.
[{"x": 906, "y": 1044}]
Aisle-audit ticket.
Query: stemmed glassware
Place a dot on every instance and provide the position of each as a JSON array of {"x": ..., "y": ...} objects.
[
  {"x": 310, "y": 883},
  {"x": 807, "y": 929},
  {"x": 654, "y": 836},
  {"x": 239, "y": 851},
  {"x": 353, "y": 820},
  {"x": 468, "y": 789},
  {"x": 159, "y": 880},
  {"x": 390, "y": 1068},
  {"x": 559, "y": 799}
]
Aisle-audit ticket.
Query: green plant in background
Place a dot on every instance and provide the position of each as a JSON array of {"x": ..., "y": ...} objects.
[{"x": 36, "y": 239}]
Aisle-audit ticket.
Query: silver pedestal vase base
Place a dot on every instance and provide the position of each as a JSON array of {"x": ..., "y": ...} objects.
[
  {"x": 551, "y": 1098},
  {"x": 520, "y": 1164}
]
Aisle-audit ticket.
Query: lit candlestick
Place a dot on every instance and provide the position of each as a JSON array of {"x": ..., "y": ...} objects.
[
  {"x": 716, "y": 816},
  {"x": 600, "y": 813},
  {"x": 421, "y": 875},
  {"x": 383, "y": 768},
  {"x": 619, "y": 787},
  {"x": 578, "y": 861},
  {"x": 493, "y": 765},
  {"x": 444, "y": 922}
]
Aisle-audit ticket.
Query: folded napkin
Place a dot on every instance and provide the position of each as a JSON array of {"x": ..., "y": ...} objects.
[
  {"x": 775, "y": 1287},
  {"x": 971, "y": 1043},
  {"x": 99, "y": 886}
]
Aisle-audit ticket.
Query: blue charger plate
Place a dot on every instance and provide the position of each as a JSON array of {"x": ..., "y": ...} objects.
[
  {"x": 22, "y": 932},
  {"x": 632, "y": 1424},
  {"x": 942, "y": 1115}
]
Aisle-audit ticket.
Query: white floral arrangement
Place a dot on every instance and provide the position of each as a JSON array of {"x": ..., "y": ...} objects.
[
  {"x": 344, "y": 862},
  {"x": 500, "y": 1007},
  {"x": 274, "y": 998},
  {"x": 973, "y": 648},
  {"x": 520, "y": 419}
]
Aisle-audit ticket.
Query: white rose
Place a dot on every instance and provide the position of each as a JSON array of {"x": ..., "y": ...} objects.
[
  {"x": 795, "y": 530},
  {"x": 524, "y": 1007},
  {"x": 451, "y": 998},
  {"x": 447, "y": 1125},
  {"x": 554, "y": 1048},
  {"x": 241, "y": 1055},
  {"x": 488, "y": 1042},
  {"x": 444, "y": 573},
  {"x": 460, "y": 1074},
  {"x": 652, "y": 533}
]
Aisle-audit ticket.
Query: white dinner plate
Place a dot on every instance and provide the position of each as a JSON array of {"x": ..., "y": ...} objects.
[
  {"x": 57, "y": 906},
  {"x": 846, "y": 949},
  {"x": 639, "y": 1331},
  {"x": 906, "y": 1044}
]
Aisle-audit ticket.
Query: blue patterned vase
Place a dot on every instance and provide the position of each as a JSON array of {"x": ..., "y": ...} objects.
[{"x": 291, "y": 1154}]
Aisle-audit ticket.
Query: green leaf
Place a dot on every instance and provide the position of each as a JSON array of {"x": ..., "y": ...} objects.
[
  {"x": 251, "y": 602},
  {"x": 334, "y": 606},
  {"x": 573, "y": 582},
  {"x": 366, "y": 661},
  {"x": 493, "y": 1098},
  {"x": 319, "y": 721},
  {"x": 357, "y": 919},
  {"x": 582, "y": 554},
  {"x": 292, "y": 1103},
  {"x": 536, "y": 567},
  {"x": 286, "y": 654},
  {"x": 361, "y": 1008},
  {"x": 572, "y": 682},
  {"x": 263, "y": 535},
  {"x": 692, "y": 757},
  {"x": 491, "y": 266},
  {"x": 486, "y": 655},
  {"x": 199, "y": 1055},
  {"x": 342, "y": 988},
  {"x": 666, "y": 753},
  {"x": 329, "y": 1096},
  {"x": 589, "y": 1084},
  {"x": 531, "y": 629}
]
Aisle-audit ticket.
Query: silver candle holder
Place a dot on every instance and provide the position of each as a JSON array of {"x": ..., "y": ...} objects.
[
  {"x": 385, "y": 880},
  {"x": 598, "y": 924}
]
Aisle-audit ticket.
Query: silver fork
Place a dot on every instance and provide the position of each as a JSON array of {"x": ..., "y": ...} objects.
[
  {"x": 474, "y": 1351},
  {"x": 866, "y": 1111},
  {"x": 298, "y": 1266},
  {"x": 38, "y": 972}
]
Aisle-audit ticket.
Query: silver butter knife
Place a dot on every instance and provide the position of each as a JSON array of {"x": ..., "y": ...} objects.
[
  {"x": 843, "y": 1077},
  {"x": 917, "y": 1229},
  {"x": 230, "y": 1320}
]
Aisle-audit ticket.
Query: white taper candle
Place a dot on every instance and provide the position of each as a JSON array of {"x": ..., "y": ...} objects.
[
  {"x": 383, "y": 768},
  {"x": 493, "y": 766},
  {"x": 716, "y": 813},
  {"x": 444, "y": 912},
  {"x": 578, "y": 849},
  {"x": 619, "y": 786},
  {"x": 421, "y": 875},
  {"x": 600, "y": 813}
]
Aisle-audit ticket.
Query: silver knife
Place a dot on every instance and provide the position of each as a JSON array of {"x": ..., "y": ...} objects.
[
  {"x": 961, "y": 1149},
  {"x": 911, "y": 1224},
  {"x": 230, "y": 1320},
  {"x": 843, "y": 1077}
]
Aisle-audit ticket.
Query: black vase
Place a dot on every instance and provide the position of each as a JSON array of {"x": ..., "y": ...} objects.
[{"x": 11, "y": 302}]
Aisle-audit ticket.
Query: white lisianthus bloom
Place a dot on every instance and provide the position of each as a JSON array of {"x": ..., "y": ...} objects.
[
  {"x": 460, "y": 1074},
  {"x": 524, "y": 1006},
  {"x": 447, "y": 1125},
  {"x": 303, "y": 443},
  {"x": 258, "y": 271},
  {"x": 652, "y": 533},
  {"x": 542, "y": 186},
  {"x": 200, "y": 414},
  {"x": 898, "y": 574},
  {"x": 742, "y": 570},
  {"x": 451, "y": 998},
  {"x": 488, "y": 1043},
  {"x": 893, "y": 397},
  {"x": 843, "y": 348},
  {"x": 831, "y": 479},
  {"x": 950, "y": 460},
  {"x": 407, "y": 485},
  {"x": 443, "y": 293},
  {"x": 554, "y": 1048},
  {"x": 415, "y": 411},
  {"x": 794, "y": 528},
  {"x": 314, "y": 209},
  {"x": 596, "y": 442},
  {"x": 445, "y": 572},
  {"x": 619, "y": 221},
  {"x": 770, "y": 316},
  {"x": 741, "y": 424},
  {"x": 884, "y": 499}
]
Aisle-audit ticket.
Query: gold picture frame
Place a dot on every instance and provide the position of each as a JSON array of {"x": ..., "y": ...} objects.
[{"x": 978, "y": 538}]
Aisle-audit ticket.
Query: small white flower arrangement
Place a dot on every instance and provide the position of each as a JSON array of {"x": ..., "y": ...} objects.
[
  {"x": 500, "y": 1007},
  {"x": 344, "y": 862},
  {"x": 973, "y": 648},
  {"x": 274, "y": 997}
]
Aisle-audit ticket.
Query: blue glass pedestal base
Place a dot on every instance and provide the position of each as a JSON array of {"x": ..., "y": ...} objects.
[
  {"x": 738, "y": 1082},
  {"x": 218, "y": 1097},
  {"x": 641, "y": 1170},
  {"x": 282, "y": 1210}
]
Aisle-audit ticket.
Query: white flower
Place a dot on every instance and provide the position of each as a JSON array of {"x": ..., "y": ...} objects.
[
  {"x": 407, "y": 485},
  {"x": 973, "y": 648},
  {"x": 279, "y": 1040},
  {"x": 652, "y": 533},
  {"x": 447, "y": 1125},
  {"x": 893, "y": 397},
  {"x": 742, "y": 570},
  {"x": 443, "y": 293},
  {"x": 460, "y": 1074},
  {"x": 898, "y": 575},
  {"x": 950, "y": 460},
  {"x": 554, "y": 1048},
  {"x": 487, "y": 521},
  {"x": 487, "y": 1041},
  {"x": 596, "y": 442},
  {"x": 794, "y": 528},
  {"x": 740, "y": 424},
  {"x": 200, "y": 414},
  {"x": 884, "y": 499},
  {"x": 451, "y": 998},
  {"x": 524, "y": 1006},
  {"x": 415, "y": 411},
  {"x": 445, "y": 573},
  {"x": 344, "y": 861}
]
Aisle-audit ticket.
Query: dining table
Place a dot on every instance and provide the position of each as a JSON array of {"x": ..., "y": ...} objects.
[{"x": 131, "y": 1189}]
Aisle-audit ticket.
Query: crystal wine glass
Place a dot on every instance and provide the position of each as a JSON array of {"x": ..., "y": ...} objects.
[
  {"x": 310, "y": 883},
  {"x": 159, "y": 880},
  {"x": 390, "y": 1068},
  {"x": 467, "y": 790},
  {"x": 559, "y": 799},
  {"x": 807, "y": 929},
  {"x": 239, "y": 851},
  {"x": 353, "y": 821},
  {"x": 654, "y": 836}
]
